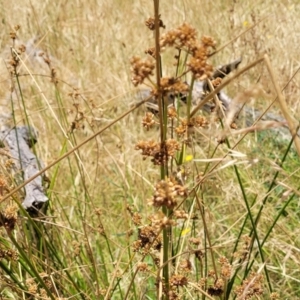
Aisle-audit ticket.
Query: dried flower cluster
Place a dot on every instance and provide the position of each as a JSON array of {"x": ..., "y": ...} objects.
[
  {"x": 166, "y": 193},
  {"x": 251, "y": 287},
  {"x": 198, "y": 121},
  {"x": 160, "y": 221},
  {"x": 198, "y": 62},
  {"x": 217, "y": 289},
  {"x": 225, "y": 268},
  {"x": 148, "y": 120},
  {"x": 173, "y": 85},
  {"x": 181, "y": 214},
  {"x": 135, "y": 216},
  {"x": 172, "y": 113},
  {"x": 9, "y": 217},
  {"x": 185, "y": 37},
  {"x": 3, "y": 185},
  {"x": 180, "y": 37},
  {"x": 216, "y": 82},
  {"x": 242, "y": 254},
  {"x": 9, "y": 254},
  {"x": 150, "y": 23},
  {"x": 178, "y": 280},
  {"x": 148, "y": 237},
  {"x": 185, "y": 266},
  {"x": 159, "y": 153},
  {"x": 141, "y": 69},
  {"x": 142, "y": 267}
]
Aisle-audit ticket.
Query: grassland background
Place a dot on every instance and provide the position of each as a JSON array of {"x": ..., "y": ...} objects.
[{"x": 90, "y": 44}]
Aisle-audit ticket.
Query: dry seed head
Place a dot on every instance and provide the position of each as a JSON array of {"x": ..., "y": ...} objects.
[
  {"x": 150, "y": 23},
  {"x": 166, "y": 193},
  {"x": 172, "y": 113},
  {"x": 173, "y": 295},
  {"x": 215, "y": 291},
  {"x": 202, "y": 282},
  {"x": 274, "y": 296},
  {"x": 199, "y": 121},
  {"x": 141, "y": 69},
  {"x": 136, "y": 219},
  {"x": 147, "y": 237},
  {"x": 178, "y": 280},
  {"x": 211, "y": 273},
  {"x": 32, "y": 286},
  {"x": 208, "y": 41},
  {"x": 9, "y": 217},
  {"x": 172, "y": 146},
  {"x": 200, "y": 68},
  {"x": 76, "y": 248},
  {"x": 148, "y": 120},
  {"x": 159, "y": 153},
  {"x": 151, "y": 52},
  {"x": 182, "y": 36},
  {"x": 251, "y": 287},
  {"x": 11, "y": 211},
  {"x": 3, "y": 185},
  {"x": 160, "y": 221},
  {"x": 216, "y": 82},
  {"x": 142, "y": 267},
  {"x": 195, "y": 241},
  {"x": 181, "y": 214},
  {"x": 9, "y": 254},
  {"x": 182, "y": 128},
  {"x": 199, "y": 254},
  {"x": 174, "y": 85},
  {"x": 185, "y": 265},
  {"x": 243, "y": 253}
]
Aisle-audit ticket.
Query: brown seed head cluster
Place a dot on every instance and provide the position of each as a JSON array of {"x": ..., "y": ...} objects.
[
  {"x": 9, "y": 217},
  {"x": 141, "y": 69},
  {"x": 151, "y": 52},
  {"x": 3, "y": 185},
  {"x": 172, "y": 113},
  {"x": 174, "y": 85},
  {"x": 148, "y": 120},
  {"x": 274, "y": 296},
  {"x": 166, "y": 193},
  {"x": 198, "y": 121},
  {"x": 251, "y": 287},
  {"x": 160, "y": 221},
  {"x": 135, "y": 216},
  {"x": 225, "y": 267},
  {"x": 181, "y": 214},
  {"x": 76, "y": 248},
  {"x": 186, "y": 266},
  {"x": 173, "y": 295},
  {"x": 195, "y": 241},
  {"x": 142, "y": 267},
  {"x": 31, "y": 286},
  {"x": 198, "y": 62},
  {"x": 185, "y": 37},
  {"x": 9, "y": 254},
  {"x": 159, "y": 153},
  {"x": 208, "y": 41},
  {"x": 216, "y": 82},
  {"x": 150, "y": 23},
  {"x": 243, "y": 253},
  {"x": 181, "y": 37},
  {"x": 13, "y": 33},
  {"x": 147, "y": 238},
  {"x": 178, "y": 280},
  {"x": 217, "y": 289}
]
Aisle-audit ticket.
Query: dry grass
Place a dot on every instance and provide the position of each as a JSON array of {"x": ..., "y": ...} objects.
[{"x": 90, "y": 45}]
